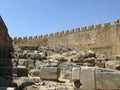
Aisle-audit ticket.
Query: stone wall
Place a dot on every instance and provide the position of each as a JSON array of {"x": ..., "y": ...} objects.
[
  {"x": 103, "y": 39},
  {"x": 5, "y": 39}
]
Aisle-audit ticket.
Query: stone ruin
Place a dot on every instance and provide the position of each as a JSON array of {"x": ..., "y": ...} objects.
[{"x": 58, "y": 67}]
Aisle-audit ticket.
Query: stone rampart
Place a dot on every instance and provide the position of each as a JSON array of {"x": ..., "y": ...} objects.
[
  {"x": 103, "y": 39},
  {"x": 5, "y": 39}
]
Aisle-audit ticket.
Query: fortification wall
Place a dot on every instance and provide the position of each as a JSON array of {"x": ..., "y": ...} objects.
[
  {"x": 103, "y": 39},
  {"x": 5, "y": 40}
]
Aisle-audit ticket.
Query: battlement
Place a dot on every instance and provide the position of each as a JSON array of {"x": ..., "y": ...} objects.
[
  {"x": 71, "y": 31},
  {"x": 99, "y": 37}
]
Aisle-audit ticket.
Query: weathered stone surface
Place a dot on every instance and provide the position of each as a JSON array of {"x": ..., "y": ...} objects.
[
  {"x": 23, "y": 62},
  {"x": 87, "y": 78},
  {"x": 107, "y": 79},
  {"x": 101, "y": 65},
  {"x": 49, "y": 73},
  {"x": 89, "y": 60},
  {"x": 31, "y": 63},
  {"x": 90, "y": 53},
  {"x": 76, "y": 73},
  {"x": 34, "y": 73},
  {"x": 112, "y": 64}
]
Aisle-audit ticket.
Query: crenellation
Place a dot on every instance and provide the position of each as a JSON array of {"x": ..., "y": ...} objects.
[
  {"x": 77, "y": 30},
  {"x": 72, "y": 31},
  {"x": 30, "y": 37},
  {"x": 15, "y": 38},
  {"x": 61, "y": 33},
  {"x": 83, "y": 28},
  {"x": 51, "y": 35},
  {"x": 67, "y": 32},
  {"x": 107, "y": 24},
  {"x": 90, "y": 27},
  {"x": 98, "y": 26},
  {"x": 45, "y": 36},
  {"x": 92, "y": 36},
  {"x": 40, "y": 37},
  {"x": 25, "y": 38},
  {"x": 35, "y": 37},
  {"x": 117, "y": 21},
  {"x": 56, "y": 34},
  {"x": 19, "y": 38}
]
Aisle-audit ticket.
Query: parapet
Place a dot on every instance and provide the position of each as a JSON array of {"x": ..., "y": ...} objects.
[
  {"x": 51, "y": 35},
  {"x": 35, "y": 37},
  {"x": 46, "y": 36},
  {"x": 67, "y": 32},
  {"x": 61, "y": 33},
  {"x": 107, "y": 25},
  {"x": 71, "y": 31},
  {"x": 77, "y": 29},
  {"x": 117, "y": 21},
  {"x": 15, "y": 39},
  {"x": 19, "y": 38},
  {"x": 30, "y": 37},
  {"x": 24, "y": 38},
  {"x": 98, "y": 26},
  {"x": 90, "y": 27},
  {"x": 56, "y": 34},
  {"x": 83, "y": 28}
]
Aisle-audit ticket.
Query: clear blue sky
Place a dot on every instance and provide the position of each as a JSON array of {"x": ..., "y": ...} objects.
[{"x": 39, "y": 17}]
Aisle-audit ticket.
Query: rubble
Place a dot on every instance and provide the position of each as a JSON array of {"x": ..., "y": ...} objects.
[{"x": 59, "y": 68}]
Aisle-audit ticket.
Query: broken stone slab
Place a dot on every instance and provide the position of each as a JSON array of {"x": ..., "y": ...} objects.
[
  {"x": 93, "y": 78},
  {"x": 31, "y": 64},
  {"x": 49, "y": 73},
  {"x": 107, "y": 79},
  {"x": 25, "y": 79},
  {"x": 23, "y": 62}
]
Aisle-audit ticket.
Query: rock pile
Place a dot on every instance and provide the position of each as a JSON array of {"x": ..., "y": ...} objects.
[{"x": 45, "y": 68}]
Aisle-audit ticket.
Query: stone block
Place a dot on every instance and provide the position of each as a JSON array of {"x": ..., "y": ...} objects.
[
  {"x": 25, "y": 79},
  {"x": 87, "y": 78},
  {"x": 49, "y": 73},
  {"x": 107, "y": 79},
  {"x": 76, "y": 73},
  {"x": 23, "y": 62}
]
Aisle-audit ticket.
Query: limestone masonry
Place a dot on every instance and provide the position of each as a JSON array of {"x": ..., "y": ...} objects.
[
  {"x": 103, "y": 39},
  {"x": 5, "y": 39},
  {"x": 57, "y": 61}
]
